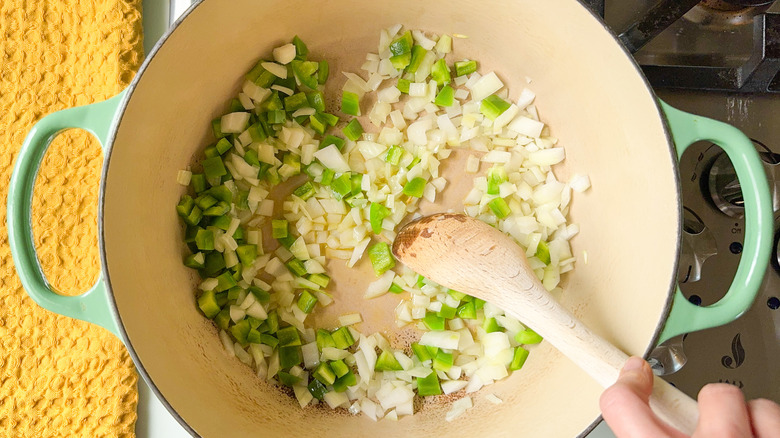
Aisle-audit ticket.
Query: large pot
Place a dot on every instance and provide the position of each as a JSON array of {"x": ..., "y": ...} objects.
[{"x": 590, "y": 92}]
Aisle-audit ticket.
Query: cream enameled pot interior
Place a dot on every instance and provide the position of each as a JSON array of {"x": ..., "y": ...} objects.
[{"x": 589, "y": 92}]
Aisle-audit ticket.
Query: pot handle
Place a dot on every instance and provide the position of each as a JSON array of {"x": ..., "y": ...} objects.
[
  {"x": 93, "y": 305},
  {"x": 686, "y": 317}
]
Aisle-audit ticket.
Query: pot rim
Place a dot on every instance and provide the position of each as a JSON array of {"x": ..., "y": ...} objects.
[{"x": 107, "y": 161}]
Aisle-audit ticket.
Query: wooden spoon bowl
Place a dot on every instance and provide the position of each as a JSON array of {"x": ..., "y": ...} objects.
[{"x": 472, "y": 257}]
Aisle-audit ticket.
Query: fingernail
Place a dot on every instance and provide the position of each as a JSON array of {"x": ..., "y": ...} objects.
[{"x": 634, "y": 364}]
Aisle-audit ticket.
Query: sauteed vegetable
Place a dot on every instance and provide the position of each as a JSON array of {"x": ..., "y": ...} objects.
[{"x": 352, "y": 181}]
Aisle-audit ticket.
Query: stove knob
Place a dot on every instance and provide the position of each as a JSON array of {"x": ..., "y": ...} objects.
[
  {"x": 698, "y": 244},
  {"x": 776, "y": 252},
  {"x": 724, "y": 187},
  {"x": 725, "y": 190}
]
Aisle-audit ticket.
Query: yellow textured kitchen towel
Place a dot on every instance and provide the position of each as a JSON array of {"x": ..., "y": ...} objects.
[{"x": 61, "y": 377}]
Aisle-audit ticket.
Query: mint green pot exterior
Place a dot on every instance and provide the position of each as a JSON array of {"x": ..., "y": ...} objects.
[
  {"x": 93, "y": 305},
  {"x": 100, "y": 119},
  {"x": 687, "y": 129}
]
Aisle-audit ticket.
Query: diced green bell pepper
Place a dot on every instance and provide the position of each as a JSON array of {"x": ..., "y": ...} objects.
[
  {"x": 207, "y": 303},
  {"x": 387, "y": 362},
  {"x": 273, "y": 322},
  {"x": 307, "y": 301},
  {"x": 317, "y": 389},
  {"x": 491, "y": 325},
  {"x": 295, "y": 102},
  {"x": 260, "y": 294},
  {"x": 395, "y": 288},
  {"x": 254, "y": 336},
  {"x": 467, "y": 311},
  {"x": 223, "y": 319},
  {"x": 428, "y": 385},
  {"x": 496, "y": 176},
  {"x": 403, "y": 44},
  {"x": 343, "y": 339},
  {"x": 316, "y": 100},
  {"x": 332, "y": 139},
  {"x": 381, "y": 258},
  {"x": 353, "y": 130},
  {"x": 240, "y": 331},
  {"x": 415, "y": 187},
  {"x": 288, "y": 379},
  {"x": 269, "y": 340},
  {"x": 195, "y": 261},
  {"x": 403, "y": 85},
  {"x": 350, "y": 103},
  {"x": 518, "y": 358},
  {"x": 528, "y": 337},
  {"x": 421, "y": 352},
  {"x": 305, "y": 190},
  {"x": 499, "y": 207},
  {"x": 465, "y": 67},
  {"x": 543, "y": 252},
  {"x": 213, "y": 167},
  {"x": 198, "y": 182},
  {"x": 225, "y": 282},
  {"x": 296, "y": 267},
  {"x": 433, "y": 321},
  {"x": 418, "y": 53},
  {"x": 288, "y": 336},
  {"x": 442, "y": 361},
  {"x": 447, "y": 312},
  {"x": 376, "y": 214},
  {"x": 400, "y": 62},
  {"x": 323, "y": 72},
  {"x": 223, "y": 145},
  {"x": 185, "y": 205},
  {"x": 279, "y": 228},
  {"x": 339, "y": 368},
  {"x": 246, "y": 254},
  {"x": 445, "y": 97},
  {"x": 321, "y": 280},
  {"x": 440, "y": 72},
  {"x": 493, "y": 106},
  {"x": 342, "y": 383},
  {"x": 300, "y": 48},
  {"x": 324, "y": 373},
  {"x": 324, "y": 339},
  {"x": 204, "y": 240},
  {"x": 289, "y": 356},
  {"x": 216, "y": 128}
]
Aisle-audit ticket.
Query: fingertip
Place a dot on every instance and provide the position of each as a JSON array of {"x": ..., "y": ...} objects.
[
  {"x": 637, "y": 376},
  {"x": 717, "y": 391},
  {"x": 634, "y": 363},
  {"x": 722, "y": 411},
  {"x": 624, "y": 407},
  {"x": 764, "y": 417}
]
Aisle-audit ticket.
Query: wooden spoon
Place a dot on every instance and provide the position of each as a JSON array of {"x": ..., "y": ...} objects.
[{"x": 472, "y": 257}]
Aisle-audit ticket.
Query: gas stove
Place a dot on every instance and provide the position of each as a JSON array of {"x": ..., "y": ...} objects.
[{"x": 720, "y": 59}]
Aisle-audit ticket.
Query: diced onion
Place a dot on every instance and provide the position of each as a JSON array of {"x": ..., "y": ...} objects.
[
  {"x": 284, "y": 54},
  {"x": 234, "y": 123},
  {"x": 275, "y": 69},
  {"x": 331, "y": 157},
  {"x": 458, "y": 408},
  {"x": 441, "y": 339},
  {"x": 349, "y": 319},
  {"x": 183, "y": 177}
]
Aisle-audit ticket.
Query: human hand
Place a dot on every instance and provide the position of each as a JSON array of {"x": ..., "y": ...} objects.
[{"x": 723, "y": 411}]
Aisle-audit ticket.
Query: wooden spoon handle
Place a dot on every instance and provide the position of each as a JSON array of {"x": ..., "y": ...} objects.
[
  {"x": 674, "y": 406},
  {"x": 603, "y": 362}
]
